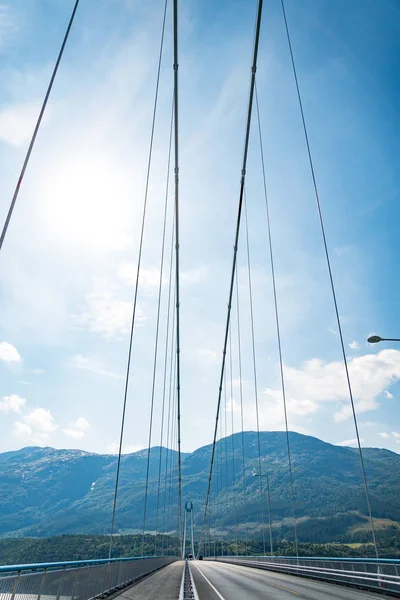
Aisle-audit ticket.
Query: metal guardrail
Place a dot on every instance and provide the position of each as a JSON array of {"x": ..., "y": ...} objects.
[
  {"x": 372, "y": 574},
  {"x": 75, "y": 580}
]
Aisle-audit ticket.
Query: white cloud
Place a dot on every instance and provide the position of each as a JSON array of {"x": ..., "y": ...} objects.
[
  {"x": 37, "y": 371},
  {"x": 87, "y": 363},
  {"x": 9, "y": 353},
  {"x": 384, "y": 435},
  {"x": 395, "y": 434},
  {"x": 149, "y": 279},
  {"x": 354, "y": 345},
  {"x": 12, "y": 403},
  {"x": 107, "y": 312},
  {"x": 113, "y": 448},
  {"x": 352, "y": 442},
  {"x": 388, "y": 394},
  {"x": 40, "y": 420},
  {"x": 17, "y": 123},
  {"x": 35, "y": 427},
  {"x": 77, "y": 429},
  {"x": 344, "y": 250},
  {"x": 194, "y": 276},
  {"x": 317, "y": 382},
  {"x": 22, "y": 429},
  {"x": 208, "y": 354}
]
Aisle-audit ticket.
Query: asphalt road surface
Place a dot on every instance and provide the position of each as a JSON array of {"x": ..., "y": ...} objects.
[
  {"x": 222, "y": 581},
  {"x": 162, "y": 585}
]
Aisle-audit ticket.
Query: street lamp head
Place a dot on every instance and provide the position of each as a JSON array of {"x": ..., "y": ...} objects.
[{"x": 374, "y": 339}]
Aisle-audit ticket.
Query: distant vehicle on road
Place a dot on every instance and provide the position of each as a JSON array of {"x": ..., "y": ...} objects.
[
  {"x": 200, "y": 557},
  {"x": 190, "y": 556}
]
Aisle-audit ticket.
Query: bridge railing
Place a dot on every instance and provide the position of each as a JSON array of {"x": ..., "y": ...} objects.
[
  {"x": 75, "y": 580},
  {"x": 372, "y": 574}
]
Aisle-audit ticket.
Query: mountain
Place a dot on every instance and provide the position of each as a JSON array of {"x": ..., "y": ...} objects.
[{"x": 46, "y": 492}]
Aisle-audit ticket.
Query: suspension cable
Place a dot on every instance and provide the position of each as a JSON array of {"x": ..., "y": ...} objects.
[
  {"x": 164, "y": 381},
  {"x": 239, "y": 214},
  {"x": 157, "y": 331},
  {"x": 277, "y": 324},
  {"x": 37, "y": 126},
  {"x": 332, "y": 285},
  {"x": 178, "y": 346},
  {"x": 241, "y": 392},
  {"x": 255, "y": 377},
  {"x": 169, "y": 440},
  {"x": 233, "y": 441},
  {"x": 128, "y": 367}
]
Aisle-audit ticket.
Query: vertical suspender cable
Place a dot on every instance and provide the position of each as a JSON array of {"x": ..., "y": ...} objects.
[
  {"x": 241, "y": 394},
  {"x": 278, "y": 331},
  {"x": 164, "y": 382},
  {"x": 37, "y": 126},
  {"x": 170, "y": 412},
  {"x": 255, "y": 378},
  {"x": 156, "y": 338},
  {"x": 128, "y": 366},
  {"x": 328, "y": 262},
  {"x": 233, "y": 442},
  {"x": 178, "y": 347},
  {"x": 239, "y": 214}
]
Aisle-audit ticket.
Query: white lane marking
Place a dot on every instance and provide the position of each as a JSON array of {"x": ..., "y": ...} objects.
[
  {"x": 209, "y": 583},
  {"x": 309, "y": 579}
]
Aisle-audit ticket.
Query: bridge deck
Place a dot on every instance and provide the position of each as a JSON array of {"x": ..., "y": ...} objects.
[
  {"x": 163, "y": 584},
  {"x": 223, "y": 581}
]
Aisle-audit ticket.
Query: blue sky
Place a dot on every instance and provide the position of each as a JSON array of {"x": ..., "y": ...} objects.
[{"x": 67, "y": 265}]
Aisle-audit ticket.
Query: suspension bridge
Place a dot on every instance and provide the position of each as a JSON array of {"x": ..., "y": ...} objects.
[{"x": 194, "y": 555}]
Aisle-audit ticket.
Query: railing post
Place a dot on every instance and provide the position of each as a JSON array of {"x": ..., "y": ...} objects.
[
  {"x": 74, "y": 585},
  {"x": 42, "y": 584},
  {"x": 60, "y": 585},
  {"x": 15, "y": 586}
]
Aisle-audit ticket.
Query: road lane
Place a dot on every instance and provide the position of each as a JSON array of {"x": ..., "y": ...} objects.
[
  {"x": 162, "y": 585},
  {"x": 223, "y": 581}
]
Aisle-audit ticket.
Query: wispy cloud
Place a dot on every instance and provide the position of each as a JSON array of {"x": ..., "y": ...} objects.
[
  {"x": 351, "y": 442},
  {"x": 86, "y": 363},
  {"x": 107, "y": 311},
  {"x": 17, "y": 123}
]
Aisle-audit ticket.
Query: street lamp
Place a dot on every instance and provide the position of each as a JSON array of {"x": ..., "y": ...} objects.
[
  {"x": 374, "y": 339},
  {"x": 269, "y": 510}
]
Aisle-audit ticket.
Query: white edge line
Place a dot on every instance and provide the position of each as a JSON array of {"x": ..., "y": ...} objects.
[
  {"x": 209, "y": 583},
  {"x": 182, "y": 580}
]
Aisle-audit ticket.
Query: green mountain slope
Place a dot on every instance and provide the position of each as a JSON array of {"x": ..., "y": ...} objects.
[{"x": 45, "y": 492}]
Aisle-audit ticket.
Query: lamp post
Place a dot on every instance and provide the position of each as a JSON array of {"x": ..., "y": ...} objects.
[
  {"x": 269, "y": 510},
  {"x": 374, "y": 339}
]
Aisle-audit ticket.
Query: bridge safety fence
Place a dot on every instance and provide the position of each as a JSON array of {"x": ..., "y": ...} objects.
[
  {"x": 75, "y": 580},
  {"x": 381, "y": 575}
]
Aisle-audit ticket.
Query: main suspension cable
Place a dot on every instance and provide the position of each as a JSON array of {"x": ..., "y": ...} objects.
[
  {"x": 239, "y": 214},
  {"x": 128, "y": 367},
  {"x": 277, "y": 324},
  {"x": 178, "y": 346},
  {"x": 332, "y": 285},
  {"x": 37, "y": 126}
]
